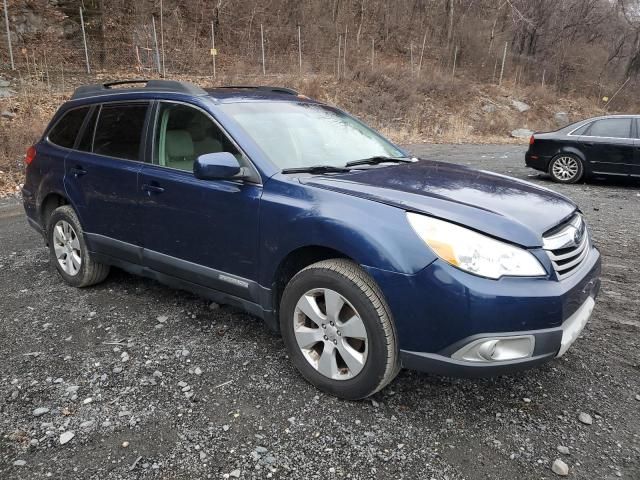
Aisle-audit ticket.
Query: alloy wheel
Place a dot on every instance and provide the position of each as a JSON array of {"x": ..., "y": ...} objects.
[
  {"x": 330, "y": 334},
  {"x": 565, "y": 168},
  {"x": 66, "y": 246}
]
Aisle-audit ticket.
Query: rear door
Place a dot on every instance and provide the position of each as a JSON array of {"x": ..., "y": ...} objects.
[
  {"x": 609, "y": 146},
  {"x": 202, "y": 231},
  {"x": 102, "y": 177}
]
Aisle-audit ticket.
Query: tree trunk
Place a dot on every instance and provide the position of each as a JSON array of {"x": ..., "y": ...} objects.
[{"x": 633, "y": 66}]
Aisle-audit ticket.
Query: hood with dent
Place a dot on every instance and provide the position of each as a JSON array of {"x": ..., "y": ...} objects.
[{"x": 500, "y": 206}]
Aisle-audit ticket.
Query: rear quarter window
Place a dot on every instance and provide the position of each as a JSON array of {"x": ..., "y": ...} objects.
[
  {"x": 581, "y": 130},
  {"x": 66, "y": 129}
]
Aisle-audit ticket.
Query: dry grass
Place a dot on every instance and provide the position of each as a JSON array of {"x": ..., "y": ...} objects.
[
  {"x": 408, "y": 108},
  {"x": 17, "y": 134}
]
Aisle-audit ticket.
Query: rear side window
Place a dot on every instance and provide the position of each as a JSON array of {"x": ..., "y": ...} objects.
[
  {"x": 119, "y": 130},
  {"x": 611, "y": 127},
  {"x": 65, "y": 131}
]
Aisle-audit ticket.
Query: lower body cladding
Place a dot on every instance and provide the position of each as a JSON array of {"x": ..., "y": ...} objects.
[{"x": 456, "y": 324}]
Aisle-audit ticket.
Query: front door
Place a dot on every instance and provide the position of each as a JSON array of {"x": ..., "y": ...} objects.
[
  {"x": 201, "y": 231},
  {"x": 102, "y": 176},
  {"x": 609, "y": 146}
]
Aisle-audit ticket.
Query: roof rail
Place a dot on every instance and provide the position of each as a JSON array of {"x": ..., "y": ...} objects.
[
  {"x": 288, "y": 91},
  {"x": 149, "y": 85}
]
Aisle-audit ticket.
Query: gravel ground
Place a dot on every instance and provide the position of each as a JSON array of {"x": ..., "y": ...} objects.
[{"x": 142, "y": 381}]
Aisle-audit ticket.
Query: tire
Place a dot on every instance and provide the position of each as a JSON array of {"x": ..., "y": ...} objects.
[
  {"x": 365, "y": 351},
  {"x": 68, "y": 250},
  {"x": 566, "y": 168}
]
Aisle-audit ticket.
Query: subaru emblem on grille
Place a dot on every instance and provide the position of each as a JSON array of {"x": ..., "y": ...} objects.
[
  {"x": 568, "y": 247},
  {"x": 577, "y": 237}
]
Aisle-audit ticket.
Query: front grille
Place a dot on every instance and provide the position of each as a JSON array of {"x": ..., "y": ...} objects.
[{"x": 567, "y": 246}]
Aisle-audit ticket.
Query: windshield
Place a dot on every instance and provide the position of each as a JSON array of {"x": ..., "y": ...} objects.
[{"x": 294, "y": 135}]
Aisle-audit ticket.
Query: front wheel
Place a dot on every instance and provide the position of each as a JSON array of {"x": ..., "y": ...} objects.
[
  {"x": 566, "y": 168},
  {"x": 338, "y": 329},
  {"x": 69, "y": 251}
]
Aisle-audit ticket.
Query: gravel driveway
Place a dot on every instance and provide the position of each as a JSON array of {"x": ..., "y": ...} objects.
[{"x": 142, "y": 381}]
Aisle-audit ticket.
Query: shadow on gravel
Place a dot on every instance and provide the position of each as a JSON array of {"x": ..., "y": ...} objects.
[{"x": 607, "y": 182}]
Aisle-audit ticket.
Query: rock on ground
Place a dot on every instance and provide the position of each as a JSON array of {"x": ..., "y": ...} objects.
[
  {"x": 40, "y": 411},
  {"x": 520, "y": 106},
  {"x": 66, "y": 437},
  {"x": 585, "y": 418},
  {"x": 560, "y": 468},
  {"x": 521, "y": 133},
  {"x": 561, "y": 118}
]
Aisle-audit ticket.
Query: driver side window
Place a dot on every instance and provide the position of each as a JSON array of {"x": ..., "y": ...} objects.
[{"x": 184, "y": 133}]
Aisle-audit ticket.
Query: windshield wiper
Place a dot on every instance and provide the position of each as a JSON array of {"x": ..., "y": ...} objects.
[
  {"x": 378, "y": 159},
  {"x": 316, "y": 169}
]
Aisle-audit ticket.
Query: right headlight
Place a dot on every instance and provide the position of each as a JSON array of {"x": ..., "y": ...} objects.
[{"x": 474, "y": 252}]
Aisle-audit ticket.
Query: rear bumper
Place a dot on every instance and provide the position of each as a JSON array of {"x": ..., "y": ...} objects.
[
  {"x": 31, "y": 211},
  {"x": 538, "y": 162}
]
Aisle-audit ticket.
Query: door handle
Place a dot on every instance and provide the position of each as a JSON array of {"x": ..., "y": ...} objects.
[
  {"x": 78, "y": 171},
  {"x": 152, "y": 188}
]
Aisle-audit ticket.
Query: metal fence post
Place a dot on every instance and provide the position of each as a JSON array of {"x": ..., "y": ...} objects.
[
  {"x": 424, "y": 41},
  {"x": 504, "y": 57},
  {"x": 344, "y": 52},
  {"x": 339, "y": 54},
  {"x": 46, "y": 69},
  {"x": 300, "y": 49},
  {"x": 373, "y": 51},
  {"x": 213, "y": 50},
  {"x": 264, "y": 71},
  {"x": 84, "y": 40},
  {"x": 6, "y": 22},
  {"x": 455, "y": 59},
  {"x": 411, "y": 56},
  {"x": 155, "y": 43},
  {"x": 164, "y": 71}
]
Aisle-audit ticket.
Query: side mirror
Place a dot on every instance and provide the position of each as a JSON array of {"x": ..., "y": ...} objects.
[{"x": 215, "y": 166}]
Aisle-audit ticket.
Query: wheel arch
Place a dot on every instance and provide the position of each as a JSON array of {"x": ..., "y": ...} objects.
[
  {"x": 571, "y": 150},
  {"x": 49, "y": 203},
  {"x": 295, "y": 261}
]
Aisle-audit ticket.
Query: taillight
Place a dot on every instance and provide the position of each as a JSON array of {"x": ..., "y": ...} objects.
[
  {"x": 531, "y": 140},
  {"x": 30, "y": 156}
]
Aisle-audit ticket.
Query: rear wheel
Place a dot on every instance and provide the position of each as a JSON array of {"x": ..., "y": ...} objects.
[
  {"x": 69, "y": 251},
  {"x": 566, "y": 168},
  {"x": 338, "y": 329}
]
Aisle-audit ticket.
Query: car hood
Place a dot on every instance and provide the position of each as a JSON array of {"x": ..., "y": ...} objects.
[{"x": 503, "y": 207}]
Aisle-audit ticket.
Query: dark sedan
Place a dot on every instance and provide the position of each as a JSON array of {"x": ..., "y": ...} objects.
[{"x": 597, "y": 146}]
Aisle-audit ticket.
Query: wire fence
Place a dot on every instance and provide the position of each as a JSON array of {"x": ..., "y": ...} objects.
[{"x": 161, "y": 48}]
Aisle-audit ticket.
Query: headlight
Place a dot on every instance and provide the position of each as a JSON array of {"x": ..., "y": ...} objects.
[{"x": 473, "y": 252}]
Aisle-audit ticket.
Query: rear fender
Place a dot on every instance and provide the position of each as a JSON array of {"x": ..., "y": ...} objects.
[{"x": 572, "y": 150}]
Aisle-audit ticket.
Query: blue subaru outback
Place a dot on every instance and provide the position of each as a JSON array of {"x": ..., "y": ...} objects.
[{"x": 365, "y": 259}]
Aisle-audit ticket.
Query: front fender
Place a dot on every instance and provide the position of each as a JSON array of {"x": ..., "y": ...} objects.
[{"x": 371, "y": 233}]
